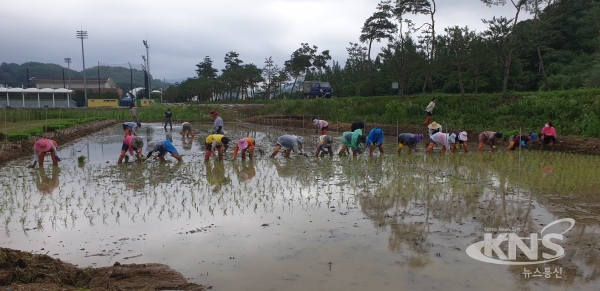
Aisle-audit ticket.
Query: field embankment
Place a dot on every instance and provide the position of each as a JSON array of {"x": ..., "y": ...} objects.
[
  {"x": 24, "y": 147},
  {"x": 574, "y": 113}
]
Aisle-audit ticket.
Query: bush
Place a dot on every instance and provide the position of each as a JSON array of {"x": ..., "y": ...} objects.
[{"x": 17, "y": 136}]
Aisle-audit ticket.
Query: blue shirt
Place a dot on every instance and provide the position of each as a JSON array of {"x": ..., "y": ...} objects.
[{"x": 375, "y": 136}]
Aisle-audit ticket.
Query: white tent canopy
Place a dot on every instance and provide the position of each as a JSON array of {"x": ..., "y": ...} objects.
[{"x": 38, "y": 91}]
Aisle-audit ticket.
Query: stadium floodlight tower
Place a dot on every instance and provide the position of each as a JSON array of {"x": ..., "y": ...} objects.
[
  {"x": 81, "y": 34},
  {"x": 148, "y": 65}
]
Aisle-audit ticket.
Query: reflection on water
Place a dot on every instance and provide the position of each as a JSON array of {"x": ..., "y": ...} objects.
[{"x": 332, "y": 223}]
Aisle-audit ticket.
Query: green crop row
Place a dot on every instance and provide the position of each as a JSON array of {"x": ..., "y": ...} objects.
[
  {"x": 575, "y": 112},
  {"x": 63, "y": 124}
]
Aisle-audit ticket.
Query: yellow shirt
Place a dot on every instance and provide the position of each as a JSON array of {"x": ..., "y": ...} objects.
[{"x": 214, "y": 139}]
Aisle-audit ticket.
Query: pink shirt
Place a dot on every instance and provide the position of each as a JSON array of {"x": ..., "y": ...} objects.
[
  {"x": 549, "y": 131},
  {"x": 441, "y": 138},
  {"x": 129, "y": 142},
  {"x": 322, "y": 123}
]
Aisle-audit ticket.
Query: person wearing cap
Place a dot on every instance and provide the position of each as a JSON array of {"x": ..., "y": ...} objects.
[
  {"x": 215, "y": 145},
  {"x": 40, "y": 148},
  {"x": 434, "y": 128},
  {"x": 409, "y": 139},
  {"x": 245, "y": 144},
  {"x": 132, "y": 144},
  {"x": 131, "y": 128},
  {"x": 168, "y": 119},
  {"x": 521, "y": 140},
  {"x": 461, "y": 141},
  {"x": 548, "y": 135},
  {"x": 324, "y": 143},
  {"x": 352, "y": 140},
  {"x": 429, "y": 111},
  {"x": 489, "y": 138},
  {"x": 358, "y": 125},
  {"x": 186, "y": 130},
  {"x": 162, "y": 147},
  {"x": 321, "y": 125},
  {"x": 443, "y": 139},
  {"x": 375, "y": 139},
  {"x": 218, "y": 122},
  {"x": 289, "y": 143}
]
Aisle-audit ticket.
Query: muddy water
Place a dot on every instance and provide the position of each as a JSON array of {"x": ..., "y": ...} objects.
[{"x": 401, "y": 222}]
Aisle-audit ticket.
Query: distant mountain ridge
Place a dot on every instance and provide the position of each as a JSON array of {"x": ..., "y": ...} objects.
[{"x": 15, "y": 75}]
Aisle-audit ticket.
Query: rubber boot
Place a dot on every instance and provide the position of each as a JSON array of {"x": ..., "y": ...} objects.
[
  {"x": 429, "y": 148},
  {"x": 428, "y": 120},
  {"x": 511, "y": 145}
]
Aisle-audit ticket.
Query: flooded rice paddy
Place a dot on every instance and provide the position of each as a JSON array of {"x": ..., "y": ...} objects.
[{"x": 397, "y": 222}]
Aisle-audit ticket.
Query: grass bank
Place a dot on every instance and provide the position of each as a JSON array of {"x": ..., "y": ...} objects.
[{"x": 575, "y": 112}]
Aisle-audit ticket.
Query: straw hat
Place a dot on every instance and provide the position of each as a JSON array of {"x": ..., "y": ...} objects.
[
  {"x": 43, "y": 145},
  {"x": 434, "y": 125},
  {"x": 327, "y": 140},
  {"x": 137, "y": 143},
  {"x": 151, "y": 146},
  {"x": 242, "y": 144}
]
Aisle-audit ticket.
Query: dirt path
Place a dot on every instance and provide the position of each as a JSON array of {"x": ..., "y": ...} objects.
[
  {"x": 25, "y": 147},
  {"x": 568, "y": 144}
]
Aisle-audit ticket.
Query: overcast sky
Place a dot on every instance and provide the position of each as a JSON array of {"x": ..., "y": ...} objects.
[{"x": 181, "y": 33}]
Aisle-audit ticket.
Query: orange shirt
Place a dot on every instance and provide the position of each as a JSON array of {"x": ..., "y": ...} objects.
[{"x": 250, "y": 146}]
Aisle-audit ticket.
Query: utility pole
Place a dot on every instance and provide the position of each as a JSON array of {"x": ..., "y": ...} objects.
[{"x": 81, "y": 34}]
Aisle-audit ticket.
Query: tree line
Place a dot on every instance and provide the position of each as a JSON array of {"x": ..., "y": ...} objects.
[{"x": 558, "y": 48}]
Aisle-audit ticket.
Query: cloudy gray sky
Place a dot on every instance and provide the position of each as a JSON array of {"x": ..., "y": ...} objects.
[{"x": 181, "y": 32}]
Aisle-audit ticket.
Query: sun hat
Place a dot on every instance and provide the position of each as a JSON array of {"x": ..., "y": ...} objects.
[
  {"x": 452, "y": 138},
  {"x": 300, "y": 139},
  {"x": 315, "y": 121},
  {"x": 498, "y": 135},
  {"x": 225, "y": 140},
  {"x": 418, "y": 138},
  {"x": 137, "y": 143},
  {"x": 213, "y": 112},
  {"x": 533, "y": 136},
  {"x": 327, "y": 140},
  {"x": 242, "y": 144},
  {"x": 434, "y": 125},
  {"x": 43, "y": 145},
  {"x": 462, "y": 136},
  {"x": 378, "y": 131},
  {"x": 151, "y": 146}
]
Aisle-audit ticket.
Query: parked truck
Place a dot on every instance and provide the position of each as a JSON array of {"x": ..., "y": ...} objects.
[{"x": 314, "y": 89}]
